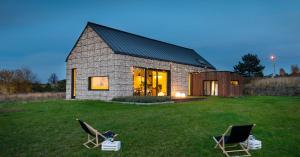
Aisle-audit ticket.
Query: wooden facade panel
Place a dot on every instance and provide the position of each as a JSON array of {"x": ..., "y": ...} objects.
[{"x": 224, "y": 78}]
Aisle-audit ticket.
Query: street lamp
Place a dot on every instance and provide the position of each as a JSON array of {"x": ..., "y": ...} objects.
[{"x": 273, "y": 58}]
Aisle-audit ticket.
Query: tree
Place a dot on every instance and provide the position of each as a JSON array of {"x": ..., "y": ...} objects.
[
  {"x": 282, "y": 72},
  {"x": 53, "y": 79},
  {"x": 61, "y": 86},
  {"x": 250, "y": 66},
  {"x": 295, "y": 70},
  {"x": 23, "y": 80},
  {"x": 6, "y": 79},
  {"x": 16, "y": 81},
  {"x": 48, "y": 88}
]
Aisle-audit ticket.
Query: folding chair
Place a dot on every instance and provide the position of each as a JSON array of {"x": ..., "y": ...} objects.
[
  {"x": 237, "y": 135},
  {"x": 94, "y": 136}
]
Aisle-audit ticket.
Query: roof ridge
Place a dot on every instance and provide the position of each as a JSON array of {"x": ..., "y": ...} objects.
[{"x": 138, "y": 35}]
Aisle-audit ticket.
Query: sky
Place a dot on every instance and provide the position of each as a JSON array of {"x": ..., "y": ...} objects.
[{"x": 39, "y": 34}]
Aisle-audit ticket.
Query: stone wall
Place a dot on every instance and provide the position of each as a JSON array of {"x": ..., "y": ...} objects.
[
  {"x": 179, "y": 72},
  {"x": 93, "y": 57}
]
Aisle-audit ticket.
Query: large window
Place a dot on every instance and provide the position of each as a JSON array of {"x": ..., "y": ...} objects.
[
  {"x": 98, "y": 83},
  {"x": 139, "y": 81},
  {"x": 210, "y": 88},
  {"x": 162, "y": 82},
  {"x": 150, "y": 82}
]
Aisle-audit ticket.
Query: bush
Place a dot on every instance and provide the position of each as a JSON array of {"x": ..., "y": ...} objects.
[
  {"x": 143, "y": 99},
  {"x": 273, "y": 86},
  {"x": 33, "y": 96}
]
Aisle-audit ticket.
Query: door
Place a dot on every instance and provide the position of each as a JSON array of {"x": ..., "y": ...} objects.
[
  {"x": 151, "y": 76},
  {"x": 214, "y": 88},
  {"x": 207, "y": 87},
  {"x": 151, "y": 82},
  {"x": 73, "y": 84},
  {"x": 210, "y": 88}
]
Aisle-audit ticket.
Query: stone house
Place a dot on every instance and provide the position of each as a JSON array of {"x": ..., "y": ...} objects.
[{"x": 106, "y": 63}]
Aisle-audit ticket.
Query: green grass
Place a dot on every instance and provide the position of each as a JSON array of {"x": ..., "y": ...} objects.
[{"x": 49, "y": 128}]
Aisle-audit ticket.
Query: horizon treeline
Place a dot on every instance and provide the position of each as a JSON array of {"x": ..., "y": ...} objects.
[{"x": 23, "y": 80}]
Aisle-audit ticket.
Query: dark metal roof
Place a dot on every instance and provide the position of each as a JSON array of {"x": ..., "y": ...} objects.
[{"x": 134, "y": 45}]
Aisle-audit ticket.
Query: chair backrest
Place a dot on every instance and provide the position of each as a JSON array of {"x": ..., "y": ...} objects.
[
  {"x": 87, "y": 128},
  {"x": 239, "y": 133}
]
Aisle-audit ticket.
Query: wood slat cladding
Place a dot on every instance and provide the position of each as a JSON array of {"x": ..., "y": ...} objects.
[{"x": 230, "y": 84}]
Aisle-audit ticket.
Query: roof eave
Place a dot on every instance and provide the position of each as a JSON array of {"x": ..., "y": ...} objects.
[
  {"x": 145, "y": 57},
  {"x": 76, "y": 42}
]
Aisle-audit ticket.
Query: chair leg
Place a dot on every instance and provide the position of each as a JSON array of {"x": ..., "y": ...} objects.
[
  {"x": 238, "y": 150},
  {"x": 218, "y": 142},
  {"x": 91, "y": 140},
  {"x": 221, "y": 145},
  {"x": 246, "y": 150},
  {"x": 223, "y": 148}
]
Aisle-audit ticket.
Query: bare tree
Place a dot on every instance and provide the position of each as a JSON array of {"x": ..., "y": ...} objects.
[
  {"x": 6, "y": 79},
  {"x": 16, "y": 81},
  {"x": 53, "y": 79},
  {"x": 23, "y": 80},
  {"x": 295, "y": 70},
  {"x": 282, "y": 72}
]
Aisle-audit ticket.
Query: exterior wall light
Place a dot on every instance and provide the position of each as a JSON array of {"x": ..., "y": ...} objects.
[{"x": 180, "y": 95}]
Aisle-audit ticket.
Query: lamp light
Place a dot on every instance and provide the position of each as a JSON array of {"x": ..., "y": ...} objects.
[
  {"x": 273, "y": 58},
  {"x": 180, "y": 95},
  {"x": 161, "y": 94}
]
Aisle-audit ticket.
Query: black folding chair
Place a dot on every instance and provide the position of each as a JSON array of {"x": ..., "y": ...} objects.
[
  {"x": 94, "y": 136},
  {"x": 237, "y": 135}
]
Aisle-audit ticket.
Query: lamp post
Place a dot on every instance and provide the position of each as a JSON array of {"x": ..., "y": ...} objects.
[{"x": 273, "y": 58}]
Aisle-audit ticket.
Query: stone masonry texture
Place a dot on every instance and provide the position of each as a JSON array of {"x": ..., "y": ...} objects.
[{"x": 91, "y": 56}]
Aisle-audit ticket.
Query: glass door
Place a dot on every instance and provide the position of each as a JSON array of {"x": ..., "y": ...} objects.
[
  {"x": 210, "y": 88},
  {"x": 214, "y": 88},
  {"x": 162, "y": 83},
  {"x": 151, "y": 82},
  {"x": 139, "y": 82},
  {"x": 207, "y": 87}
]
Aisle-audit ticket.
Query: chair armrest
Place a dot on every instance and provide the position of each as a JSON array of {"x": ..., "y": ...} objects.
[
  {"x": 111, "y": 131},
  {"x": 107, "y": 131}
]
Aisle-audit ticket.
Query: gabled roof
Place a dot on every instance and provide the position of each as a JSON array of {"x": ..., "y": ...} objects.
[{"x": 134, "y": 45}]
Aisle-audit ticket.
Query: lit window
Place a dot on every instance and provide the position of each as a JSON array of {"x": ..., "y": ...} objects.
[
  {"x": 235, "y": 83},
  {"x": 150, "y": 82},
  {"x": 139, "y": 81},
  {"x": 98, "y": 83}
]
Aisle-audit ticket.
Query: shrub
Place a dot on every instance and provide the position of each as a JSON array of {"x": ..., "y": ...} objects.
[
  {"x": 143, "y": 99},
  {"x": 32, "y": 96},
  {"x": 273, "y": 86}
]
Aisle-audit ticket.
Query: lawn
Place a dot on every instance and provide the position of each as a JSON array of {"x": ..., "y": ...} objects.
[{"x": 49, "y": 128}]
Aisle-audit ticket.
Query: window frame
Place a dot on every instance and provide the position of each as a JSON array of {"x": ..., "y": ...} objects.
[
  {"x": 238, "y": 83},
  {"x": 90, "y": 84},
  {"x": 210, "y": 85},
  {"x": 73, "y": 83},
  {"x": 145, "y": 82}
]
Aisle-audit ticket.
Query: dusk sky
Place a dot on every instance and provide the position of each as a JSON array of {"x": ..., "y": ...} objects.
[{"x": 40, "y": 34}]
